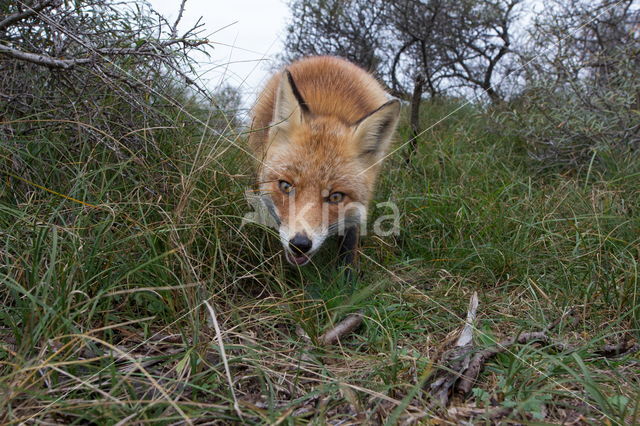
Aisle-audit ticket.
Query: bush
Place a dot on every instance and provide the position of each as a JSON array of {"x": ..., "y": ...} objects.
[
  {"x": 95, "y": 75},
  {"x": 580, "y": 70},
  {"x": 579, "y": 120}
]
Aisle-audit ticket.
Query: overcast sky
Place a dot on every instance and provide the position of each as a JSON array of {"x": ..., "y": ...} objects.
[{"x": 246, "y": 35}]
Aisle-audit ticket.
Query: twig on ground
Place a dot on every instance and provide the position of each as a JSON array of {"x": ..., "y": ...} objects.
[
  {"x": 618, "y": 349},
  {"x": 466, "y": 335},
  {"x": 459, "y": 369},
  {"x": 344, "y": 327},
  {"x": 468, "y": 379},
  {"x": 455, "y": 360}
]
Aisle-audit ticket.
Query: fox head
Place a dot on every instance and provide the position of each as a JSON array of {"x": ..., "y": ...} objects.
[{"x": 318, "y": 172}]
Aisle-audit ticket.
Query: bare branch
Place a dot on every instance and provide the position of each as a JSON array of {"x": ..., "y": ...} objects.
[
  {"x": 41, "y": 59},
  {"x": 174, "y": 28},
  {"x": 18, "y": 16}
]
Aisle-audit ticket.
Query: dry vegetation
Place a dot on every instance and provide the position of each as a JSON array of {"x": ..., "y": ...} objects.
[{"x": 130, "y": 293}]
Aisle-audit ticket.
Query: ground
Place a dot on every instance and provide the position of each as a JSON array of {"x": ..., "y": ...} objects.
[{"x": 107, "y": 265}]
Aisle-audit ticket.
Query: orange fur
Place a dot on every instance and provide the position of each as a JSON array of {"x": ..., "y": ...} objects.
[{"x": 335, "y": 146}]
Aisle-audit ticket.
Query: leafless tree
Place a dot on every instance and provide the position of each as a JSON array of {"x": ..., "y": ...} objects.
[
  {"x": 416, "y": 66},
  {"x": 415, "y": 46},
  {"x": 478, "y": 38},
  {"x": 354, "y": 29}
]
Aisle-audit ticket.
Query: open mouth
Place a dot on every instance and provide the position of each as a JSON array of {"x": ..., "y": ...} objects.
[{"x": 301, "y": 259}]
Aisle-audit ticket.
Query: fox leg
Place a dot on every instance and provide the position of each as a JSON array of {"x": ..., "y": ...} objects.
[{"x": 348, "y": 250}]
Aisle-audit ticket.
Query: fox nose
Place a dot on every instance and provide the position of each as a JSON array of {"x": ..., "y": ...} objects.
[{"x": 300, "y": 243}]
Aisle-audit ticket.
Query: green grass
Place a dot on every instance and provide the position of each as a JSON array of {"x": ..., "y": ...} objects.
[{"x": 103, "y": 316}]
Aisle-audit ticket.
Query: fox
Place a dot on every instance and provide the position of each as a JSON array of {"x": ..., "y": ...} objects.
[{"x": 320, "y": 129}]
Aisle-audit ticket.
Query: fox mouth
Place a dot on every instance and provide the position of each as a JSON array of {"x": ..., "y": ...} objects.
[{"x": 299, "y": 260}]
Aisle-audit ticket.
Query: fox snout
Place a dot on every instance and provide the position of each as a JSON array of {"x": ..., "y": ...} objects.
[
  {"x": 300, "y": 244},
  {"x": 298, "y": 249}
]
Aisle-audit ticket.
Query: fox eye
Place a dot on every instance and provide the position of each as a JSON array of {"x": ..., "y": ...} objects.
[
  {"x": 335, "y": 197},
  {"x": 285, "y": 186}
]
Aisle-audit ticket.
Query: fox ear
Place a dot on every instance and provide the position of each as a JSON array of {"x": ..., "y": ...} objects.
[
  {"x": 374, "y": 130},
  {"x": 290, "y": 106}
]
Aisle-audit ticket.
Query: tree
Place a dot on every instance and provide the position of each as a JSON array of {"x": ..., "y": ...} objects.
[
  {"x": 415, "y": 47},
  {"x": 478, "y": 38},
  {"x": 354, "y": 29}
]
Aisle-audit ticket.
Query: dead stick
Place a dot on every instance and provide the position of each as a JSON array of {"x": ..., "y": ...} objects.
[
  {"x": 476, "y": 365},
  {"x": 341, "y": 329},
  {"x": 487, "y": 413},
  {"x": 616, "y": 350}
]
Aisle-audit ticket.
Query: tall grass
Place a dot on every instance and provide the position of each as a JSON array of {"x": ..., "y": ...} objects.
[{"x": 106, "y": 265}]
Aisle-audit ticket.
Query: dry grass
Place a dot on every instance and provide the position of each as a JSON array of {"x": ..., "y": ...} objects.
[{"x": 104, "y": 318}]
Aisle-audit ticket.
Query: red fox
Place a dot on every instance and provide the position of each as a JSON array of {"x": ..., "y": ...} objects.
[{"x": 320, "y": 130}]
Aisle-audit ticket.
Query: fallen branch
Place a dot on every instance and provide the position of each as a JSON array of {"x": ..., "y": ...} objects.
[
  {"x": 462, "y": 365},
  {"x": 619, "y": 349},
  {"x": 470, "y": 375},
  {"x": 344, "y": 327},
  {"x": 468, "y": 379},
  {"x": 455, "y": 360}
]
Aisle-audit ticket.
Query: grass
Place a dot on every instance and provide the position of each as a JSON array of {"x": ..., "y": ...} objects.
[{"x": 104, "y": 320}]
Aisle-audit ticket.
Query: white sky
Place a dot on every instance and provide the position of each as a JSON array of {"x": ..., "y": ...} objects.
[{"x": 246, "y": 36}]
